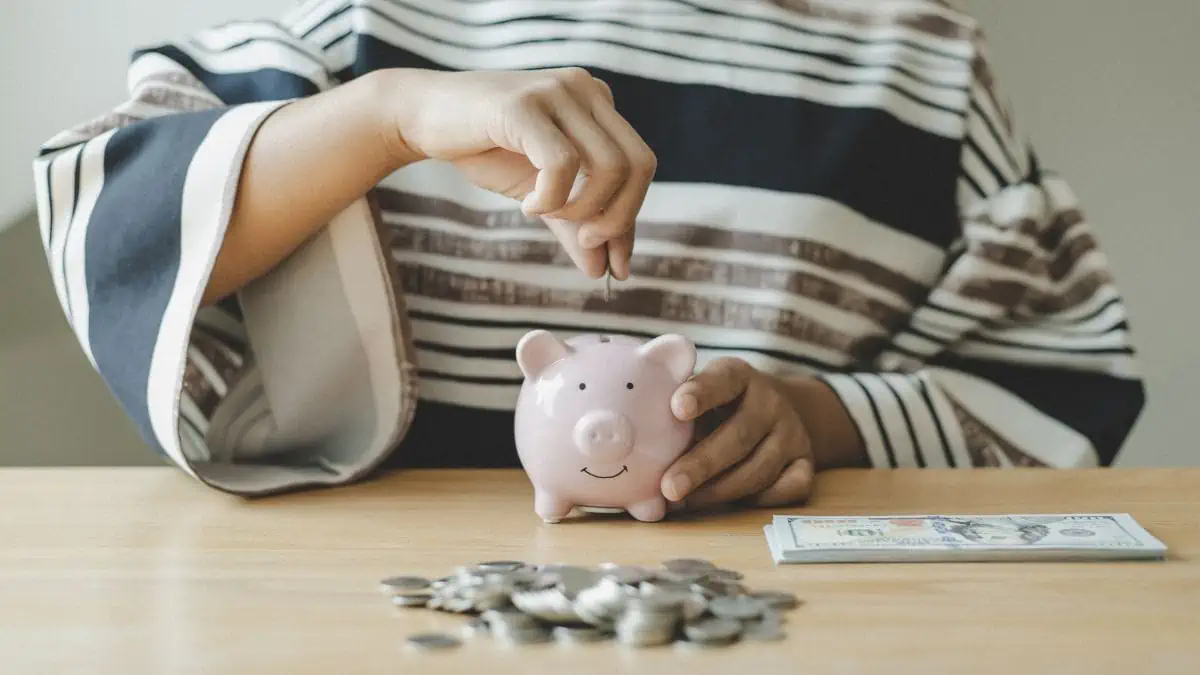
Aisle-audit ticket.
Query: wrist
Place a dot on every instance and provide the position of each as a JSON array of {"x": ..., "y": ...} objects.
[
  {"x": 835, "y": 440},
  {"x": 394, "y": 96}
]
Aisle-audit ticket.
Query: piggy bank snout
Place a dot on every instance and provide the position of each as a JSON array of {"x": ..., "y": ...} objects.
[{"x": 604, "y": 435}]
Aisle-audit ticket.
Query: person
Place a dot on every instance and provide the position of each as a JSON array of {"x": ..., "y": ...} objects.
[{"x": 302, "y": 251}]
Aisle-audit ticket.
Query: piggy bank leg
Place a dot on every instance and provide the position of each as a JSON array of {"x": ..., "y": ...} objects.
[
  {"x": 649, "y": 511},
  {"x": 551, "y": 508}
]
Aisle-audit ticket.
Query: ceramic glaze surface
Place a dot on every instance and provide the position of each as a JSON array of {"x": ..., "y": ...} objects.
[{"x": 593, "y": 424}]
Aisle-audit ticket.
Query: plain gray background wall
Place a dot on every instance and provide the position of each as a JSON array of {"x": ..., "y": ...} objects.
[{"x": 1106, "y": 88}]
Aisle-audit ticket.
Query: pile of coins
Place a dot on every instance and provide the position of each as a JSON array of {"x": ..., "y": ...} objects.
[{"x": 686, "y": 600}]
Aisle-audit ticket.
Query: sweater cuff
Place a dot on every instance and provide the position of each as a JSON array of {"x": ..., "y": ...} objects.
[{"x": 904, "y": 422}]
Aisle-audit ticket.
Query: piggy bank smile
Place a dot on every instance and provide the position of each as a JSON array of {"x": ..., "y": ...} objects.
[
  {"x": 593, "y": 422},
  {"x": 624, "y": 469}
]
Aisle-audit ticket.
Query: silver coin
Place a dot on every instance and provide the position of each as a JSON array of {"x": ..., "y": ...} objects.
[
  {"x": 658, "y": 603},
  {"x": 494, "y": 616},
  {"x": 777, "y": 599},
  {"x": 713, "y": 631},
  {"x": 575, "y": 634},
  {"x": 738, "y": 607},
  {"x": 768, "y": 628},
  {"x": 520, "y": 577},
  {"x": 599, "y": 605},
  {"x": 549, "y": 605},
  {"x": 694, "y": 607},
  {"x": 572, "y": 580},
  {"x": 626, "y": 574},
  {"x": 500, "y": 565},
  {"x": 475, "y": 627},
  {"x": 404, "y": 585},
  {"x": 509, "y": 622},
  {"x": 712, "y": 588},
  {"x": 725, "y": 575},
  {"x": 410, "y": 600},
  {"x": 459, "y": 605},
  {"x": 689, "y": 577},
  {"x": 668, "y": 586},
  {"x": 633, "y": 632},
  {"x": 687, "y": 565},
  {"x": 431, "y": 641},
  {"x": 523, "y": 636}
]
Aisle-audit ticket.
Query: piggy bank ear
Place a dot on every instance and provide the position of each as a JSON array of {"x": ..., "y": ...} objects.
[
  {"x": 538, "y": 349},
  {"x": 674, "y": 352}
]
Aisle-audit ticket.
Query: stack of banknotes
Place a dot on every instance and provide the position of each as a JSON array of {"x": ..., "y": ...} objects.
[{"x": 960, "y": 538}]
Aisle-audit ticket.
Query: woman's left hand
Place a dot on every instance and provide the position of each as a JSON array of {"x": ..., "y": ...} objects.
[{"x": 760, "y": 454}]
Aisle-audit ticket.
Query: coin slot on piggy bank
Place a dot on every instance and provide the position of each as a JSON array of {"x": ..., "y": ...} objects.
[{"x": 593, "y": 426}]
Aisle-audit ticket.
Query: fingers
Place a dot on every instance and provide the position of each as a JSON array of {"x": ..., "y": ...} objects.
[
  {"x": 565, "y": 123},
  {"x": 719, "y": 383},
  {"x": 619, "y": 251},
  {"x": 794, "y": 485},
  {"x": 602, "y": 160},
  {"x": 729, "y": 444},
  {"x": 590, "y": 261},
  {"x": 554, "y": 156},
  {"x": 757, "y": 473},
  {"x": 620, "y": 216}
]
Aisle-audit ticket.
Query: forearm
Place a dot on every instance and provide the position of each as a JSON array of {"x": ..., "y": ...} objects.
[
  {"x": 835, "y": 440},
  {"x": 308, "y": 162}
]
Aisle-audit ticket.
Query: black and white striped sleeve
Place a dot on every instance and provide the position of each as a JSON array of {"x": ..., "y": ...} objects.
[
  {"x": 133, "y": 207},
  {"x": 1021, "y": 355}
]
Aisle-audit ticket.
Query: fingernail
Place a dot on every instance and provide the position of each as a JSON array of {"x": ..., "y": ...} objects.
[
  {"x": 678, "y": 486},
  {"x": 687, "y": 405}
]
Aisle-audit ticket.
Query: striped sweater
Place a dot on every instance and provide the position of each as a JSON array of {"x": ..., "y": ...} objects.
[{"x": 842, "y": 191}]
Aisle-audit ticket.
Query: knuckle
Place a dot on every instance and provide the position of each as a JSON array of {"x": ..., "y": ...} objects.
[
  {"x": 564, "y": 158},
  {"x": 645, "y": 163},
  {"x": 605, "y": 90},
  {"x": 613, "y": 163},
  {"x": 544, "y": 91},
  {"x": 742, "y": 436},
  {"x": 523, "y": 104},
  {"x": 574, "y": 75},
  {"x": 771, "y": 404},
  {"x": 775, "y": 457}
]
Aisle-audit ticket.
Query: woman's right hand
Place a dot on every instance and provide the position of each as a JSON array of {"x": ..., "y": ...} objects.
[{"x": 530, "y": 135}]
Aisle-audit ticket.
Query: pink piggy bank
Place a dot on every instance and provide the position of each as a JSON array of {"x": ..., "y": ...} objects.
[{"x": 594, "y": 426}]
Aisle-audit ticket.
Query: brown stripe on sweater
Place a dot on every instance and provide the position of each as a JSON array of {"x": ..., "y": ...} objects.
[
  {"x": 1063, "y": 253},
  {"x": 175, "y": 99},
  {"x": 985, "y": 446},
  {"x": 659, "y": 267},
  {"x": 100, "y": 125},
  {"x": 1048, "y": 236},
  {"x": 926, "y": 22},
  {"x": 1007, "y": 255},
  {"x": 638, "y": 302},
  {"x": 698, "y": 236},
  {"x": 1012, "y": 294},
  {"x": 177, "y": 77},
  {"x": 1068, "y": 256}
]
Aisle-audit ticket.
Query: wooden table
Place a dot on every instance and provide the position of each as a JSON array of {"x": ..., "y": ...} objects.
[{"x": 131, "y": 571}]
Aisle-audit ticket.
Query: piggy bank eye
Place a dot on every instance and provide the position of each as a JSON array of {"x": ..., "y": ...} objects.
[
  {"x": 629, "y": 385},
  {"x": 582, "y": 386}
]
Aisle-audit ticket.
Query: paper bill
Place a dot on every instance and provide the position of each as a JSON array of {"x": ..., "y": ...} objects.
[{"x": 934, "y": 538}]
